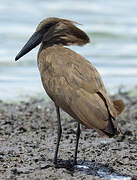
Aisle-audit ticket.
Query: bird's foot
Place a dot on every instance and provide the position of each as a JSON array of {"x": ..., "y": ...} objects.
[{"x": 75, "y": 162}]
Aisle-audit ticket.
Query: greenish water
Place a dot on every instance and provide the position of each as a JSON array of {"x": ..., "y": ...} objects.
[{"x": 111, "y": 25}]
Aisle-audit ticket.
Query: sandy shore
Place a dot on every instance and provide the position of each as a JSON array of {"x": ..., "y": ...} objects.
[{"x": 28, "y": 132}]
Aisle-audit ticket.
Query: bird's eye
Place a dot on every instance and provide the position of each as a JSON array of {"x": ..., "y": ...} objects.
[{"x": 47, "y": 26}]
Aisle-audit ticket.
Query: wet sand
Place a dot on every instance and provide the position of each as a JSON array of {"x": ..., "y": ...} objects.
[{"x": 28, "y": 132}]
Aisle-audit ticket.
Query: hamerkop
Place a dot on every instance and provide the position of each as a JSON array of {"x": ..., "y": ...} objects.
[{"x": 71, "y": 81}]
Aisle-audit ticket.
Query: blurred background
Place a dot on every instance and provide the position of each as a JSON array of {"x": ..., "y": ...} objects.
[{"x": 111, "y": 25}]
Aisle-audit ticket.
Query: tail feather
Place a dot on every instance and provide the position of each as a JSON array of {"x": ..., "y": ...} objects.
[
  {"x": 111, "y": 129},
  {"x": 104, "y": 134},
  {"x": 119, "y": 105}
]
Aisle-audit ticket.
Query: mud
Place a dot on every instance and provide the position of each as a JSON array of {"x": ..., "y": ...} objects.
[{"x": 28, "y": 133}]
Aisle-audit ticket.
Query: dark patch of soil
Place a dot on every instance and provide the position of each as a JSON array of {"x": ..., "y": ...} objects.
[{"x": 28, "y": 133}]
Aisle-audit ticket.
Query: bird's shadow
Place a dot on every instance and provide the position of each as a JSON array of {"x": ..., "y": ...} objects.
[{"x": 90, "y": 168}]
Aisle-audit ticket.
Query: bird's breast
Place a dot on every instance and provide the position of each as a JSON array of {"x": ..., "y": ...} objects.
[{"x": 55, "y": 84}]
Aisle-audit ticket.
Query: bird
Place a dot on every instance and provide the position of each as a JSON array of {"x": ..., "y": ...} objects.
[{"x": 71, "y": 81}]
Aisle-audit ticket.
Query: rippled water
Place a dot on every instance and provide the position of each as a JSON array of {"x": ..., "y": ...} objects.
[{"x": 111, "y": 25}]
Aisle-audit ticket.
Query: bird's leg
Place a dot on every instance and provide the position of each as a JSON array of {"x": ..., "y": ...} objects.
[
  {"x": 77, "y": 141},
  {"x": 59, "y": 134}
]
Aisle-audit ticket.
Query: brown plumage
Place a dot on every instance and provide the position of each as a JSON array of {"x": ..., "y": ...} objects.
[{"x": 71, "y": 81}]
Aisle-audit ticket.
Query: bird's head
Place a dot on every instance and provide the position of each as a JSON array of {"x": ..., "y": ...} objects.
[{"x": 52, "y": 31}]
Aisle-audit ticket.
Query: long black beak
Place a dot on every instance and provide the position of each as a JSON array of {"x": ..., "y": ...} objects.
[{"x": 34, "y": 40}]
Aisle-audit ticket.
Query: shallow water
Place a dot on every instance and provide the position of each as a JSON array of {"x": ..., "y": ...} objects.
[
  {"x": 101, "y": 171},
  {"x": 111, "y": 25}
]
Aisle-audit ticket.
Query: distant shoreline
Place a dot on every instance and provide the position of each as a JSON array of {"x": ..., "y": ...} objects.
[{"x": 42, "y": 95}]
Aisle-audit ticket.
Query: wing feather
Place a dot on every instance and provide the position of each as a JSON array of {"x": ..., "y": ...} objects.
[{"x": 79, "y": 73}]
